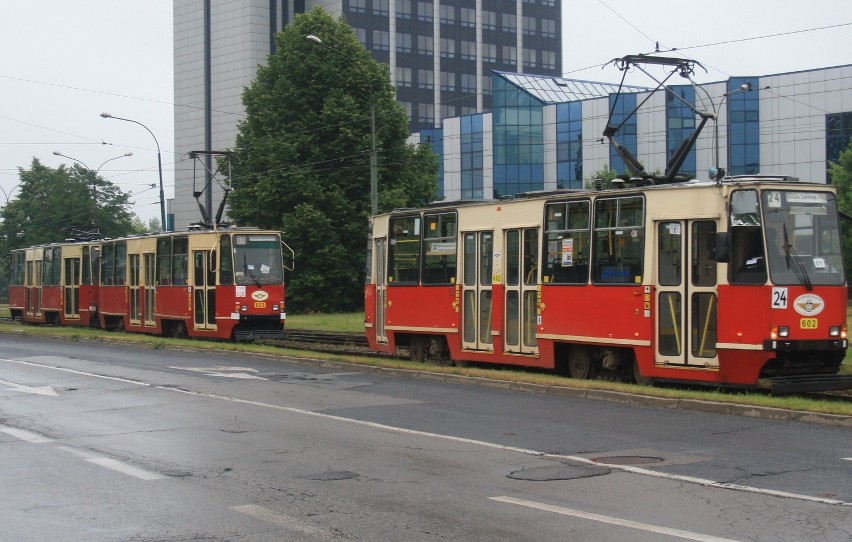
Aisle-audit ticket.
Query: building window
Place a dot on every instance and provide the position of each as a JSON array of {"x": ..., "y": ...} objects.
[
  {"x": 380, "y": 7},
  {"x": 549, "y": 3},
  {"x": 361, "y": 34},
  {"x": 510, "y": 55},
  {"x": 508, "y": 22},
  {"x": 621, "y": 108},
  {"x": 467, "y": 17},
  {"x": 838, "y": 134},
  {"x": 529, "y": 26},
  {"x": 403, "y": 42},
  {"x": 472, "y": 157},
  {"x": 548, "y": 60},
  {"x": 425, "y": 12},
  {"x": 358, "y": 6},
  {"x": 468, "y": 83},
  {"x": 426, "y": 113},
  {"x": 448, "y": 81},
  {"x": 403, "y": 77},
  {"x": 381, "y": 40},
  {"x": 468, "y": 50},
  {"x": 425, "y": 45},
  {"x": 548, "y": 28},
  {"x": 425, "y": 79},
  {"x": 743, "y": 129},
  {"x": 448, "y": 111},
  {"x": 489, "y": 52},
  {"x": 448, "y": 48},
  {"x": 569, "y": 145},
  {"x": 530, "y": 58},
  {"x": 408, "y": 108},
  {"x": 680, "y": 124},
  {"x": 486, "y": 84},
  {"x": 403, "y": 9},
  {"x": 489, "y": 20},
  {"x": 448, "y": 14}
]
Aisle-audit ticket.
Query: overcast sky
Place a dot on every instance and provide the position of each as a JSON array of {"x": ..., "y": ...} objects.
[{"x": 65, "y": 62}]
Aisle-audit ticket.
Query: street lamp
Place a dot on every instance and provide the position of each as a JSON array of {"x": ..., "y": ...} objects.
[
  {"x": 9, "y": 193},
  {"x": 159, "y": 165},
  {"x": 374, "y": 198},
  {"x": 717, "y": 172},
  {"x": 57, "y": 153}
]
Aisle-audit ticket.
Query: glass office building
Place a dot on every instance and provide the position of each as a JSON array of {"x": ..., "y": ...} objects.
[{"x": 546, "y": 133}]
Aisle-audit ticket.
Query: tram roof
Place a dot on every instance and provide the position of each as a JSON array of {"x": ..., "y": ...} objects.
[{"x": 557, "y": 90}]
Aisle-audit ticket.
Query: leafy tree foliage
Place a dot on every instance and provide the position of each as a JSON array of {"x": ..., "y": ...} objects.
[
  {"x": 303, "y": 162},
  {"x": 56, "y": 204},
  {"x": 840, "y": 173}
]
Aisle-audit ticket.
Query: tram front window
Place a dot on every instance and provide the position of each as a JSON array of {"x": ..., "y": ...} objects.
[
  {"x": 257, "y": 260},
  {"x": 802, "y": 238}
]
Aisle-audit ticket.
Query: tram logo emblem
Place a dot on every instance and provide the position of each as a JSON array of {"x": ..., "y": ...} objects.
[
  {"x": 809, "y": 304},
  {"x": 260, "y": 295}
]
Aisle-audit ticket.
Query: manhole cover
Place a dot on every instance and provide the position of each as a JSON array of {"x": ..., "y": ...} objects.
[
  {"x": 558, "y": 472},
  {"x": 329, "y": 476},
  {"x": 627, "y": 460}
]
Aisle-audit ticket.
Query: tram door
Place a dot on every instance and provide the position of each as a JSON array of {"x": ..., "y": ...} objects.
[
  {"x": 476, "y": 290},
  {"x": 34, "y": 270},
  {"x": 136, "y": 291},
  {"x": 381, "y": 288},
  {"x": 204, "y": 289},
  {"x": 147, "y": 286},
  {"x": 686, "y": 293},
  {"x": 521, "y": 279},
  {"x": 71, "y": 287}
]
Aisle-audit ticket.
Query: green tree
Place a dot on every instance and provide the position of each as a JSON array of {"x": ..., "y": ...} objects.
[
  {"x": 840, "y": 173},
  {"x": 56, "y": 204},
  {"x": 303, "y": 164}
]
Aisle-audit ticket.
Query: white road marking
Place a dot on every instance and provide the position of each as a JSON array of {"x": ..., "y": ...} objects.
[
  {"x": 688, "y": 535},
  {"x": 634, "y": 470},
  {"x": 74, "y": 371},
  {"x": 27, "y": 436},
  {"x": 846, "y": 458},
  {"x": 282, "y": 520},
  {"x": 114, "y": 464},
  {"x": 46, "y": 390},
  {"x": 221, "y": 371}
]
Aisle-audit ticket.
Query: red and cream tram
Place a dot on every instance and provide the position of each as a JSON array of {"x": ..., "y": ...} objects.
[
  {"x": 219, "y": 283},
  {"x": 720, "y": 283}
]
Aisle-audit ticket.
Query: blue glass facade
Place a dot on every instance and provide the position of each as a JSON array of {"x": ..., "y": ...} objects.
[
  {"x": 518, "y": 140},
  {"x": 471, "y": 157},
  {"x": 838, "y": 134},
  {"x": 743, "y": 128},
  {"x": 622, "y": 106},
  {"x": 680, "y": 125},
  {"x": 435, "y": 137},
  {"x": 569, "y": 145}
]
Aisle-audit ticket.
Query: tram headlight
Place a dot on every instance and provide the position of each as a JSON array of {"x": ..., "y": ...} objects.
[
  {"x": 244, "y": 308},
  {"x": 777, "y": 332},
  {"x": 837, "y": 331},
  {"x": 783, "y": 331}
]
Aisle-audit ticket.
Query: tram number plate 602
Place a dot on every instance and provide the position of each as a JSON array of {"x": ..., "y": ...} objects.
[
  {"x": 808, "y": 323},
  {"x": 262, "y": 305}
]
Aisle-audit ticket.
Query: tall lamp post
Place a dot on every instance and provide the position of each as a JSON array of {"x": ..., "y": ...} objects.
[
  {"x": 159, "y": 165},
  {"x": 374, "y": 197}
]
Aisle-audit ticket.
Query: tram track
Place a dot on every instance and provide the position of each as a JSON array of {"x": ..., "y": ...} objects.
[{"x": 355, "y": 344}]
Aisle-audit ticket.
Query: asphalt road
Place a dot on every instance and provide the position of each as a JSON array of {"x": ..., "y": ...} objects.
[{"x": 114, "y": 442}]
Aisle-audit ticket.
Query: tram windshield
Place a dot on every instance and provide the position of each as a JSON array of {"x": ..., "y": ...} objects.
[
  {"x": 802, "y": 238},
  {"x": 258, "y": 259}
]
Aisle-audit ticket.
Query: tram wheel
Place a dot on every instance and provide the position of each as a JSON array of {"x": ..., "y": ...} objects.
[
  {"x": 637, "y": 375},
  {"x": 417, "y": 349},
  {"x": 579, "y": 363}
]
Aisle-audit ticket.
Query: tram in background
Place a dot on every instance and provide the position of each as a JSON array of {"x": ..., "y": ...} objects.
[
  {"x": 222, "y": 283},
  {"x": 723, "y": 283}
]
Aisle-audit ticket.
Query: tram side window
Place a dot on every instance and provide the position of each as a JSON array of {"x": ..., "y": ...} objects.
[
  {"x": 180, "y": 261},
  {"x": 107, "y": 263},
  {"x": 404, "y": 252},
  {"x": 748, "y": 263},
  {"x": 120, "y": 264},
  {"x": 619, "y": 240},
  {"x": 16, "y": 274},
  {"x": 47, "y": 267},
  {"x": 86, "y": 271},
  {"x": 164, "y": 261},
  {"x": 566, "y": 255},
  {"x": 439, "y": 249},
  {"x": 226, "y": 264}
]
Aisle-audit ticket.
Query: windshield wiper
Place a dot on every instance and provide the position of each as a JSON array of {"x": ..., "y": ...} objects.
[
  {"x": 250, "y": 272},
  {"x": 797, "y": 266}
]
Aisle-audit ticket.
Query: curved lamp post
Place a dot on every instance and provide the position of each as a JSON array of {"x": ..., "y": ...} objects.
[
  {"x": 95, "y": 171},
  {"x": 374, "y": 198},
  {"x": 9, "y": 193},
  {"x": 159, "y": 165},
  {"x": 717, "y": 172}
]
